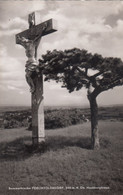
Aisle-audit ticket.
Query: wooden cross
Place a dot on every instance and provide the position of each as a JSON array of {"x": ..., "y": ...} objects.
[
  {"x": 36, "y": 30},
  {"x": 26, "y": 39}
]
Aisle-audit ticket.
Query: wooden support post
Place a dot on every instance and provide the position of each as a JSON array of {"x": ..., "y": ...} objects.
[{"x": 38, "y": 132}]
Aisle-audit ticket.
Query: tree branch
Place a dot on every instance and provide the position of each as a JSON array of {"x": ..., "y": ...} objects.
[
  {"x": 116, "y": 82},
  {"x": 83, "y": 73},
  {"x": 97, "y": 74},
  {"x": 90, "y": 78}
]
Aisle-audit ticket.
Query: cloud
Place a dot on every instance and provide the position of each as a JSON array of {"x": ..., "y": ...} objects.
[
  {"x": 20, "y": 84},
  {"x": 11, "y": 71},
  {"x": 119, "y": 27},
  {"x": 12, "y": 75},
  {"x": 12, "y": 9},
  {"x": 54, "y": 85},
  {"x": 77, "y": 26},
  {"x": 12, "y": 88},
  {"x": 85, "y": 27},
  {"x": 94, "y": 27},
  {"x": 8, "y": 63},
  {"x": 109, "y": 43},
  {"x": 80, "y": 24},
  {"x": 13, "y": 22},
  {"x": 3, "y": 51},
  {"x": 12, "y": 16},
  {"x": 80, "y": 10},
  {"x": 9, "y": 33},
  {"x": 54, "y": 95}
]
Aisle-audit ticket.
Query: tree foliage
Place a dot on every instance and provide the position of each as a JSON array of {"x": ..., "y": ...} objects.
[{"x": 77, "y": 68}]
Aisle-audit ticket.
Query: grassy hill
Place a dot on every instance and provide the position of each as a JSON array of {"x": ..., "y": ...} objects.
[{"x": 67, "y": 161}]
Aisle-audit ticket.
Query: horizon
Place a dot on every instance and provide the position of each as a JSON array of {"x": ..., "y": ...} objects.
[{"x": 80, "y": 106}]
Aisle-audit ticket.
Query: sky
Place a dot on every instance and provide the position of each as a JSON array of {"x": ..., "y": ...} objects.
[{"x": 96, "y": 26}]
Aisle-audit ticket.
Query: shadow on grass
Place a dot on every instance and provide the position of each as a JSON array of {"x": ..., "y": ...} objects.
[{"x": 21, "y": 148}]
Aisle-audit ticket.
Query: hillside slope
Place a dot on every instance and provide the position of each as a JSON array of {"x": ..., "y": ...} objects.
[{"x": 66, "y": 161}]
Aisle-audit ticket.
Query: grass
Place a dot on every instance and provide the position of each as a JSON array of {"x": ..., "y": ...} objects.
[{"x": 66, "y": 161}]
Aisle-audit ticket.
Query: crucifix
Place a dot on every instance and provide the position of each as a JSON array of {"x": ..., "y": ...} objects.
[{"x": 30, "y": 40}]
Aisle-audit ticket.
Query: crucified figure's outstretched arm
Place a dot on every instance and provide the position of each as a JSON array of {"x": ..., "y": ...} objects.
[{"x": 22, "y": 41}]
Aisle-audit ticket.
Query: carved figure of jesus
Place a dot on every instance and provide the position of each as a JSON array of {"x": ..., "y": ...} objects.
[
  {"x": 31, "y": 52},
  {"x": 30, "y": 48}
]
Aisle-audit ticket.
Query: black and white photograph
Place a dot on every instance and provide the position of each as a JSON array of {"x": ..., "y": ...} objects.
[{"x": 61, "y": 97}]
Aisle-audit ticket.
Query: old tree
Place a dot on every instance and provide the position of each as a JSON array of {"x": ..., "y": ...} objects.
[{"x": 77, "y": 68}]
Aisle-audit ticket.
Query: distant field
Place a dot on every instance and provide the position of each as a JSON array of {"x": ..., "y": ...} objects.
[
  {"x": 66, "y": 161},
  {"x": 13, "y": 108},
  {"x": 56, "y": 117}
]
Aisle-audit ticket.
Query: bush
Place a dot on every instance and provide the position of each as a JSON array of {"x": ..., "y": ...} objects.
[
  {"x": 56, "y": 118},
  {"x": 63, "y": 118}
]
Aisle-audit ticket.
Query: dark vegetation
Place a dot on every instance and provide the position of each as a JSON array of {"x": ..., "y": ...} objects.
[
  {"x": 57, "y": 117},
  {"x": 77, "y": 68}
]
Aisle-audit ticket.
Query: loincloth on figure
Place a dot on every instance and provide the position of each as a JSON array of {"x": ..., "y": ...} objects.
[{"x": 31, "y": 67}]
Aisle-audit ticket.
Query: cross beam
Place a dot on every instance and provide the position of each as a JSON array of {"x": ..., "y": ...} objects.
[{"x": 36, "y": 29}]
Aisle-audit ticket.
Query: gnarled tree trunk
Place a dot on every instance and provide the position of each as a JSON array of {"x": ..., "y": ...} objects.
[{"x": 94, "y": 123}]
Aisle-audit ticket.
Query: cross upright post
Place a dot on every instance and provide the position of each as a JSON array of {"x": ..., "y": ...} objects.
[{"x": 30, "y": 40}]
